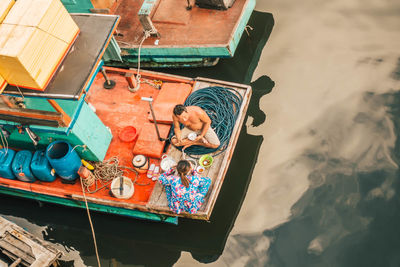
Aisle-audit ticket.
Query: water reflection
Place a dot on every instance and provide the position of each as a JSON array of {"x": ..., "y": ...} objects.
[
  {"x": 126, "y": 242},
  {"x": 324, "y": 191}
]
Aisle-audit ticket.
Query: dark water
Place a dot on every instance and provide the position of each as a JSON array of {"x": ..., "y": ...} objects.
[{"x": 314, "y": 177}]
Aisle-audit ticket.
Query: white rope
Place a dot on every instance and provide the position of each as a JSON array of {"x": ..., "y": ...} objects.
[
  {"x": 146, "y": 35},
  {"x": 83, "y": 146},
  {"x": 4, "y": 141},
  {"x": 91, "y": 225},
  {"x": 19, "y": 90},
  {"x": 247, "y": 29}
]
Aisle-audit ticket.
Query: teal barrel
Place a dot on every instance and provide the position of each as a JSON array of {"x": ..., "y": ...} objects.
[
  {"x": 64, "y": 160},
  {"x": 6, "y": 159},
  {"x": 21, "y": 166},
  {"x": 41, "y": 167}
]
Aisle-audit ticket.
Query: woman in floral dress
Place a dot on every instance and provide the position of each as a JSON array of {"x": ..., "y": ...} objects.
[{"x": 185, "y": 188}]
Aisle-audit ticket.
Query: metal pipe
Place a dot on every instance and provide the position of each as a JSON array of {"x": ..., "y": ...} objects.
[
  {"x": 121, "y": 185},
  {"x": 150, "y": 100},
  {"x": 108, "y": 84}
]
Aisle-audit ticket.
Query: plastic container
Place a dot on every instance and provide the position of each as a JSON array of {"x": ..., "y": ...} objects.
[
  {"x": 128, "y": 134},
  {"x": 41, "y": 167},
  {"x": 140, "y": 163},
  {"x": 206, "y": 161},
  {"x": 64, "y": 160},
  {"x": 125, "y": 184},
  {"x": 6, "y": 159},
  {"x": 21, "y": 166}
]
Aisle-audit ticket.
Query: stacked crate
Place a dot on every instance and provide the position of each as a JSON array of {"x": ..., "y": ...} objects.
[
  {"x": 5, "y": 6},
  {"x": 34, "y": 38}
]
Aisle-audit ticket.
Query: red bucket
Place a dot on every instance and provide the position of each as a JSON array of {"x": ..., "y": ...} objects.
[{"x": 128, "y": 134}]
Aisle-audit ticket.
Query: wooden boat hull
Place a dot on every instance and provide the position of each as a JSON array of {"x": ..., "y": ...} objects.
[
  {"x": 116, "y": 109},
  {"x": 194, "y": 38},
  {"x": 71, "y": 202}
]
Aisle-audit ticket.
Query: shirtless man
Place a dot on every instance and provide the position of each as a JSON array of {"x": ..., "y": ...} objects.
[{"x": 195, "y": 119}]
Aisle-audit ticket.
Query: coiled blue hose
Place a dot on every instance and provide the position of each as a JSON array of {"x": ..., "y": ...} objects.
[{"x": 222, "y": 105}]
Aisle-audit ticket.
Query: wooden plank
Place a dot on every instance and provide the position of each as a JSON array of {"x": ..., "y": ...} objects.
[
  {"x": 17, "y": 248},
  {"x": 153, "y": 75},
  {"x": 66, "y": 119},
  {"x": 170, "y": 95},
  {"x": 169, "y": 13},
  {"x": 36, "y": 117},
  {"x": 228, "y": 153},
  {"x": 217, "y": 171},
  {"x": 158, "y": 197},
  {"x": 18, "y": 243},
  {"x": 113, "y": 203}
]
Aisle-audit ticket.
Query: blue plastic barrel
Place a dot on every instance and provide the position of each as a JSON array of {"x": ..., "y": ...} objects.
[
  {"x": 6, "y": 159},
  {"x": 41, "y": 167},
  {"x": 63, "y": 159},
  {"x": 21, "y": 166}
]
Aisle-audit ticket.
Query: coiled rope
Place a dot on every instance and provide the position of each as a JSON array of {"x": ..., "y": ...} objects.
[
  {"x": 105, "y": 172},
  {"x": 222, "y": 105}
]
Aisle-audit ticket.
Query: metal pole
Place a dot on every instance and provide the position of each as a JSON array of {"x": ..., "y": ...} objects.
[
  {"x": 108, "y": 84},
  {"x": 149, "y": 99},
  {"x": 105, "y": 76}
]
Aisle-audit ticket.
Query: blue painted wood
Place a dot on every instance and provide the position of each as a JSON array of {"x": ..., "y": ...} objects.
[
  {"x": 88, "y": 130},
  {"x": 147, "y": 7},
  {"x": 92, "y": 206},
  {"x": 113, "y": 51},
  {"x": 77, "y": 6},
  {"x": 241, "y": 26}
]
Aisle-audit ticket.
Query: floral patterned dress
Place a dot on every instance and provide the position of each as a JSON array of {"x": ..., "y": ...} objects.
[{"x": 181, "y": 198}]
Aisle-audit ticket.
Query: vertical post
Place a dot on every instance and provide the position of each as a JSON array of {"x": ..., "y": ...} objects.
[
  {"x": 149, "y": 99},
  {"x": 108, "y": 84},
  {"x": 65, "y": 118}
]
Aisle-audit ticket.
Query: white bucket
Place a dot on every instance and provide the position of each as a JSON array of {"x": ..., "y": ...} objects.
[{"x": 128, "y": 188}]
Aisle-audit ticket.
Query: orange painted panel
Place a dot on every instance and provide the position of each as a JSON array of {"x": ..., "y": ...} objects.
[
  {"x": 148, "y": 143},
  {"x": 168, "y": 12},
  {"x": 170, "y": 95}
]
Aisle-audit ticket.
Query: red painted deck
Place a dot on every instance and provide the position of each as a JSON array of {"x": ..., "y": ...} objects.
[
  {"x": 118, "y": 108},
  {"x": 177, "y": 25}
]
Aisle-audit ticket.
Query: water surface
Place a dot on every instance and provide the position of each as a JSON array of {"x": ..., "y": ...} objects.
[{"x": 314, "y": 177}]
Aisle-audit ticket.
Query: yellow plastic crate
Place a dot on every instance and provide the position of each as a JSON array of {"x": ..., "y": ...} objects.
[
  {"x": 29, "y": 56},
  {"x": 47, "y": 15},
  {"x": 34, "y": 37}
]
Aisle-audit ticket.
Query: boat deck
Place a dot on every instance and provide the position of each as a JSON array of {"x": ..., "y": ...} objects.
[
  {"x": 178, "y": 26},
  {"x": 118, "y": 108}
]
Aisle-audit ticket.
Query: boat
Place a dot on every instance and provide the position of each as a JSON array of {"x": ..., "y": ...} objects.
[
  {"x": 88, "y": 106},
  {"x": 166, "y": 33},
  {"x": 21, "y": 248}
]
